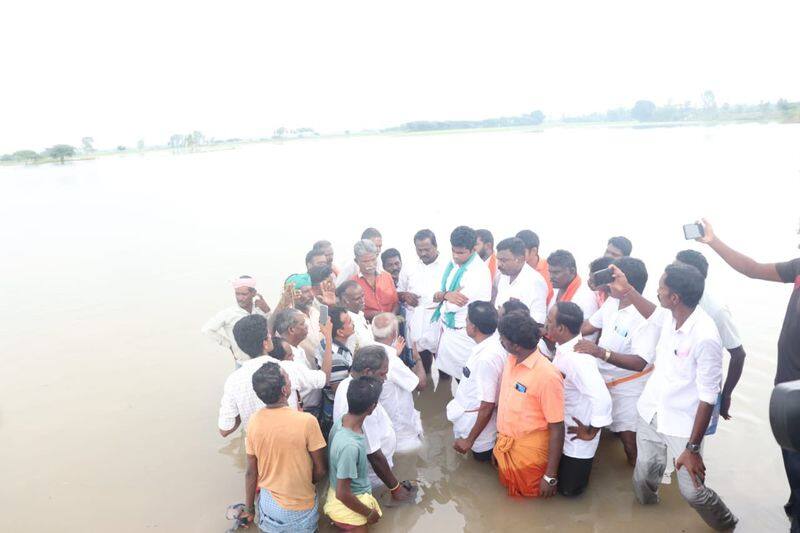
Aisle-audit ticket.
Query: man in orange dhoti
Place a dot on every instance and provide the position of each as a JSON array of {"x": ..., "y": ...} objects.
[{"x": 530, "y": 412}]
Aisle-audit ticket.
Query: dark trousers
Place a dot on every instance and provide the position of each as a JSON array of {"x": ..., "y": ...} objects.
[
  {"x": 427, "y": 359},
  {"x": 791, "y": 462},
  {"x": 573, "y": 475},
  {"x": 483, "y": 457}
]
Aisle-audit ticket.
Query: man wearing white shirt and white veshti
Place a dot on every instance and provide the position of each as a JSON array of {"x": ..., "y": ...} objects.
[
  {"x": 351, "y": 296},
  {"x": 587, "y": 404},
  {"x": 397, "y": 396},
  {"x": 519, "y": 280},
  {"x": 239, "y": 400},
  {"x": 419, "y": 281},
  {"x": 567, "y": 284},
  {"x": 624, "y": 352},
  {"x": 728, "y": 332},
  {"x": 378, "y": 430},
  {"x": 678, "y": 400},
  {"x": 465, "y": 279},
  {"x": 472, "y": 410},
  {"x": 248, "y": 301}
]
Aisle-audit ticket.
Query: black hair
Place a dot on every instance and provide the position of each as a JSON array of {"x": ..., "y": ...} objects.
[
  {"x": 601, "y": 263},
  {"x": 389, "y": 253},
  {"x": 370, "y": 233},
  {"x": 485, "y": 235},
  {"x": 634, "y": 270},
  {"x": 520, "y": 329},
  {"x": 515, "y": 245},
  {"x": 685, "y": 281},
  {"x": 463, "y": 237},
  {"x": 569, "y": 315},
  {"x": 363, "y": 393},
  {"x": 278, "y": 350},
  {"x": 483, "y": 316},
  {"x": 250, "y": 332},
  {"x": 268, "y": 382},
  {"x": 515, "y": 305},
  {"x": 369, "y": 358},
  {"x": 694, "y": 258},
  {"x": 319, "y": 273},
  {"x": 623, "y": 244},
  {"x": 423, "y": 234},
  {"x": 335, "y": 314},
  {"x": 563, "y": 259},
  {"x": 341, "y": 289},
  {"x": 313, "y": 253},
  {"x": 529, "y": 237}
]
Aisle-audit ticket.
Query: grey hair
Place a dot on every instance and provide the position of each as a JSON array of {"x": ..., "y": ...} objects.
[
  {"x": 364, "y": 247},
  {"x": 285, "y": 319},
  {"x": 369, "y": 357},
  {"x": 384, "y": 326}
]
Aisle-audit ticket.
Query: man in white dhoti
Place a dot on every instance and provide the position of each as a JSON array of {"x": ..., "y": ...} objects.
[
  {"x": 465, "y": 279},
  {"x": 518, "y": 280}
]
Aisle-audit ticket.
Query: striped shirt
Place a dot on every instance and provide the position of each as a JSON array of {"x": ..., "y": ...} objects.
[{"x": 342, "y": 360}]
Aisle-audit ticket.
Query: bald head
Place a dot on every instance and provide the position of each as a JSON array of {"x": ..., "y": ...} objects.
[{"x": 384, "y": 327}]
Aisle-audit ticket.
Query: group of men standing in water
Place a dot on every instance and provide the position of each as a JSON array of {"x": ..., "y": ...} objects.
[{"x": 540, "y": 362}]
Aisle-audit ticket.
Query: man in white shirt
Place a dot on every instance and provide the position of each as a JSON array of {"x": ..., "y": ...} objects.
[
  {"x": 304, "y": 300},
  {"x": 567, "y": 284},
  {"x": 291, "y": 325},
  {"x": 248, "y": 301},
  {"x": 728, "y": 332},
  {"x": 587, "y": 404},
  {"x": 472, "y": 410},
  {"x": 239, "y": 400},
  {"x": 678, "y": 400},
  {"x": 624, "y": 352},
  {"x": 378, "y": 430},
  {"x": 397, "y": 396},
  {"x": 351, "y": 296},
  {"x": 465, "y": 279},
  {"x": 419, "y": 281},
  {"x": 518, "y": 280}
]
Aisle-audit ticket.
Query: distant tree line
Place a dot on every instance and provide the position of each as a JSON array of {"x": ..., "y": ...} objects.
[
  {"x": 58, "y": 152},
  {"x": 530, "y": 119}
]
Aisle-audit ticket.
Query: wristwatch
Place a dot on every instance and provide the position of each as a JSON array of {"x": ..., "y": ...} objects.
[
  {"x": 550, "y": 480},
  {"x": 694, "y": 448}
]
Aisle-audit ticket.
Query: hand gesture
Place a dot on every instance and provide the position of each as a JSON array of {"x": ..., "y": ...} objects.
[
  {"x": 584, "y": 346},
  {"x": 694, "y": 465},
  {"x": 620, "y": 283},
  {"x": 287, "y": 297},
  {"x": 581, "y": 431},
  {"x": 328, "y": 293},
  {"x": 261, "y": 303},
  {"x": 462, "y": 446},
  {"x": 456, "y": 298},
  {"x": 399, "y": 345},
  {"x": 327, "y": 330},
  {"x": 708, "y": 232}
]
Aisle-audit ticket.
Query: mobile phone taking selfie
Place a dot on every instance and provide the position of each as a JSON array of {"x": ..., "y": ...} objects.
[
  {"x": 323, "y": 314},
  {"x": 603, "y": 277},
  {"x": 693, "y": 231}
]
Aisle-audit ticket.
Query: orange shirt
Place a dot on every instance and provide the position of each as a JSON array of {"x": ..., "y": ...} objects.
[
  {"x": 491, "y": 262},
  {"x": 383, "y": 298},
  {"x": 531, "y": 396},
  {"x": 541, "y": 268},
  {"x": 281, "y": 439}
]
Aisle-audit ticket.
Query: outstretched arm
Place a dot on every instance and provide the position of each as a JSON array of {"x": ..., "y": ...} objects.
[{"x": 738, "y": 261}]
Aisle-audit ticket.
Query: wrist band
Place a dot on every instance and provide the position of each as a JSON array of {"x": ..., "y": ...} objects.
[
  {"x": 395, "y": 487},
  {"x": 607, "y": 356}
]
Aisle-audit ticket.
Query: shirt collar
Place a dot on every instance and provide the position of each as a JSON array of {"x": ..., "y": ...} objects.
[
  {"x": 570, "y": 344},
  {"x": 530, "y": 360},
  {"x": 688, "y": 324}
]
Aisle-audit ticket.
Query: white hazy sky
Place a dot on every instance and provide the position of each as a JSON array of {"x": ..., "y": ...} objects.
[{"x": 120, "y": 71}]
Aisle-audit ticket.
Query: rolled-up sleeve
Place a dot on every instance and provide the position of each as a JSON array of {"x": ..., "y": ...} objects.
[
  {"x": 708, "y": 355},
  {"x": 228, "y": 410},
  {"x": 591, "y": 384}
]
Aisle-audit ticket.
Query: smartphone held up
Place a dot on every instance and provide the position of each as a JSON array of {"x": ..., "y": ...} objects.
[
  {"x": 693, "y": 231},
  {"x": 603, "y": 277}
]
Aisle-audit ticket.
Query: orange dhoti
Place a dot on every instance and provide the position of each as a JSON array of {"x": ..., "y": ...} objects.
[{"x": 521, "y": 462}]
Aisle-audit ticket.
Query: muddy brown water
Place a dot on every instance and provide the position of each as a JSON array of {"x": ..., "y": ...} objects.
[{"x": 109, "y": 394}]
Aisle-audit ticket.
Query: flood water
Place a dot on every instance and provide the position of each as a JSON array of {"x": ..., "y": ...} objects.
[{"x": 109, "y": 393}]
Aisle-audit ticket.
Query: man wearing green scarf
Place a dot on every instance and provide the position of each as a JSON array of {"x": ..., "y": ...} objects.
[{"x": 466, "y": 279}]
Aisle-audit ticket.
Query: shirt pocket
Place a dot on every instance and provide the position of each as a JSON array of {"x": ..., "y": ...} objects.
[
  {"x": 518, "y": 400},
  {"x": 683, "y": 362}
]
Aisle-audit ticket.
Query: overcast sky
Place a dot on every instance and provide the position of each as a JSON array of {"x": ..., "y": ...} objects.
[{"x": 123, "y": 71}]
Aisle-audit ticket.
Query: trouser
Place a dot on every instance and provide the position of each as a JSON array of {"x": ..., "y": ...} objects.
[
  {"x": 651, "y": 460},
  {"x": 573, "y": 475},
  {"x": 482, "y": 456},
  {"x": 427, "y": 360},
  {"x": 791, "y": 462}
]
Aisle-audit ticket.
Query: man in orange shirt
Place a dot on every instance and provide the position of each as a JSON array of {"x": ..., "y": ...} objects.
[
  {"x": 530, "y": 412},
  {"x": 531, "y": 241},
  {"x": 285, "y": 457},
  {"x": 380, "y": 294}
]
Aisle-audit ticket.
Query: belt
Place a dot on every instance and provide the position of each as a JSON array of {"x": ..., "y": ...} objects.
[{"x": 626, "y": 379}]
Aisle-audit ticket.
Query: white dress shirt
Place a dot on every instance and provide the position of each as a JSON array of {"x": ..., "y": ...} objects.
[
  {"x": 397, "y": 399},
  {"x": 625, "y": 331},
  {"x": 476, "y": 285},
  {"x": 529, "y": 287},
  {"x": 480, "y": 382},
  {"x": 586, "y": 397},
  {"x": 688, "y": 370},
  {"x": 311, "y": 397},
  {"x": 362, "y": 335},
  {"x": 721, "y": 315},
  {"x": 584, "y": 297},
  {"x": 239, "y": 398},
  {"x": 424, "y": 281},
  {"x": 220, "y": 328}
]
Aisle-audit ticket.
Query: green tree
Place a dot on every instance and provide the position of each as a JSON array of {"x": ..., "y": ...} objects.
[
  {"x": 60, "y": 151},
  {"x": 88, "y": 144},
  {"x": 25, "y": 155},
  {"x": 643, "y": 110}
]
